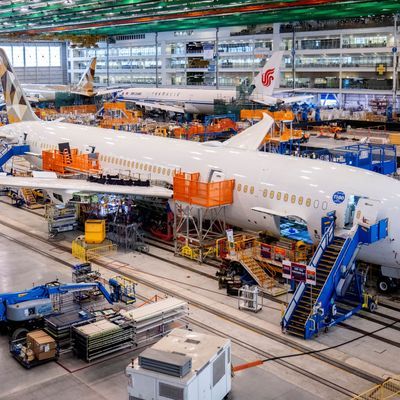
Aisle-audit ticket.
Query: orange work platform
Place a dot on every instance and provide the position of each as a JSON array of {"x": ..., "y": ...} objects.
[
  {"x": 284, "y": 115},
  {"x": 189, "y": 189},
  {"x": 67, "y": 162}
]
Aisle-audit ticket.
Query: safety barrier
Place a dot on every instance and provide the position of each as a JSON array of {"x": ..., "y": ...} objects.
[
  {"x": 79, "y": 109},
  {"x": 260, "y": 250},
  {"x": 67, "y": 161},
  {"x": 389, "y": 389},
  {"x": 189, "y": 189},
  {"x": 86, "y": 253}
]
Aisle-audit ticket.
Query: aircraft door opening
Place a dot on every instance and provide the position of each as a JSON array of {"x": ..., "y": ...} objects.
[{"x": 350, "y": 211}]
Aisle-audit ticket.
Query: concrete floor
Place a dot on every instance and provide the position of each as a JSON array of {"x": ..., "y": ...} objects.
[{"x": 72, "y": 379}]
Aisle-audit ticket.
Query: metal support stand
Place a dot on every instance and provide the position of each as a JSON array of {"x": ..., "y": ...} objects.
[
  {"x": 249, "y": 299},
  {"x": 196, "y": 229}
]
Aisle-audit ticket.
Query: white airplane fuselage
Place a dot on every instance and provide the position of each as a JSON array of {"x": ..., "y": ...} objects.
[
  {"x": 288, "y": 185},
  {"x": 193, "y": 101}
]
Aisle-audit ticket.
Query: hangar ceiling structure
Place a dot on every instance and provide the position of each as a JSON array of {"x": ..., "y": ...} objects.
[{"x": 111, "y": 17}]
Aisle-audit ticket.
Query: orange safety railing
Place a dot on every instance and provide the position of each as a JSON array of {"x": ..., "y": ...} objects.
[
  {"x": 252, "y": 246},
  {"x": 189, "y": 189},
  {"x": 79, "y": 109},
  {"x": 67, "y": 162}
]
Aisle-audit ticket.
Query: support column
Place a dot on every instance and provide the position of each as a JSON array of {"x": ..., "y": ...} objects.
[
  {"x": 217, "y": 58},
  {"x": 395, "y": 59}
]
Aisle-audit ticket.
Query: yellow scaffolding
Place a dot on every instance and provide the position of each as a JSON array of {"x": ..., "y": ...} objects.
[{"x": 390, "y": 389}]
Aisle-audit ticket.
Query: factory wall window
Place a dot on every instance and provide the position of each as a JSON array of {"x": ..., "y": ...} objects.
[
  {"x": 293, "y": 198},
  {"x": 30, "y": 56},
  {"x": 324, "y": 205},
  {"x": 265, "y": 193},
  {"x": 251, "y": 189},
  {"x": 55, "y": 56},
  {"x": 245, "y": 188},
  {"x": 316, "y": 203},
  {"x": 300, "y": 200},
  {"x": 278, "y": 195},
  {"x": 8, "y": 51},
  {"x": 239, "y": 187},
  {"x": 271, "y": 194},
  {"x": 308, "y": 202},
  {"x": 285, "y": 197},
  {"x": 18, "y": 56},
  {"x": 43, "y": 56}
]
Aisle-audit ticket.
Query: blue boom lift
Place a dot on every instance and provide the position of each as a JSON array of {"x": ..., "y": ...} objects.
[{"x": 27, "y": 308}]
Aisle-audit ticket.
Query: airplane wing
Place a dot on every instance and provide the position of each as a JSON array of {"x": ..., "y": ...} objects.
[
  {"x": 282, "y": 100},
  {"x": 78, "y": 185},
  {"x": 252, "y": 137},
  {"x": 159, "y": 106}
]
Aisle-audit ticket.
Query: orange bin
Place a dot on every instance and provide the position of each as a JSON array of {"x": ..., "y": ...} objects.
[{"x": 189, "y": 189}]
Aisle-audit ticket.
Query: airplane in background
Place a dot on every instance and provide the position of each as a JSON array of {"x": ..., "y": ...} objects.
[
  {"x": 268, "y": 187},
  {"x": 85, "y": 87},
  {"x": 201, "y": 101}
]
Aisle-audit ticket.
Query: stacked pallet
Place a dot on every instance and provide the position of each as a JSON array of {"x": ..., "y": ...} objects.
[
  {"x": 60, "y": 326},
  {"x": 101, "y": 338},
  {"x": 155, "y": 319}
]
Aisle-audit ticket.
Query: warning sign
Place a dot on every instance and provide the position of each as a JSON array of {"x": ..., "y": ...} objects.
[
  {"x": 311, "y": 277},
  {"x": 299, "y": 272},
  {"x": 286, "y": 269}
]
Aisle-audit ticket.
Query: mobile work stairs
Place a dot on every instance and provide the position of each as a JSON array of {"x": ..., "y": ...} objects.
[
  {"x": 7, "y": 151},
  {"x": 317, "y": 307}
]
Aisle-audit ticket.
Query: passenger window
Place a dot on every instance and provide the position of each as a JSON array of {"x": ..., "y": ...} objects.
[
  {"x": 293, "y": 198},
  {"x": 145, "y": 167},
  {"x": 308, "y": 202},
  {"x": 163, "y": 171},
  {"x": 278, "y": 195},
  {"x": 168, "y": 172},
  {"x": 316, "y": 203},
  {"x": 141, "y": 165},
  {"x": 265, "y": 193},
  {"x": 324, "y": 205},
  {"x": 112, "y": 160},
  {"x": 245, "y": 187},
  {"x": 271, "y": 194},
  {"x": 154, "y": 169},
  {"x": 239, "y": 187},
  {"x": 285, "y": 197},
  {"x": 300, "y": 200},
  {"x": 251, "y": 189}
]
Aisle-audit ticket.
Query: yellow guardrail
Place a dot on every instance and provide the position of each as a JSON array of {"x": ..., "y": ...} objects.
[
  {"x": 390, "y": 389},
  {"x": 84, "y": 253}
]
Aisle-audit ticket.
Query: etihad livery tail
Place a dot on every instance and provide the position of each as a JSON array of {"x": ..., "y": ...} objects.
[
  {"x": 85, "y": 87},
  {"x": 18, "y": 107}
]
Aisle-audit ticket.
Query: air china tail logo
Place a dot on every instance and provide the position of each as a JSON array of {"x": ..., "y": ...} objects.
[{"x": 267, "y": 77}]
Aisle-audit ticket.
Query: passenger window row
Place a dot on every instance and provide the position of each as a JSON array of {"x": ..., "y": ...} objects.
[
  {"x": 285, "y": 196},
  {"x": 130, "y": 164}
]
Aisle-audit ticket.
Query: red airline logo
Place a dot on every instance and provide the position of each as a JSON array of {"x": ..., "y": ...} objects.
[{"x": 267, "y": 77}]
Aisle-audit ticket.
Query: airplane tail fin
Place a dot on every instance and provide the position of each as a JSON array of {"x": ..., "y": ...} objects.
[
  {"x": 268, "y": 77},
  {"x": 18, "y": 107},
  {"x": 86, "y": 82}
]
